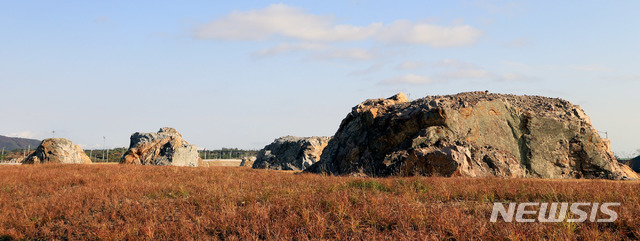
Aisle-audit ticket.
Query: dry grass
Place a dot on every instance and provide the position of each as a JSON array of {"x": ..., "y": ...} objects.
[
  {"x": 146, "y": 202},
  {"x": 221, "y": 163}
]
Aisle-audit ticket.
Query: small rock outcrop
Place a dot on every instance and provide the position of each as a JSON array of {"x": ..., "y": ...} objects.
[
  {"x": 248, "y": 161},
  {"x": 57, "y": 150},
  {"x": 163, "y": 148},
  {"x": 635, "y": 164},
  {"x": 291, "y": 153},
  {"x": 475, "y": 134}
]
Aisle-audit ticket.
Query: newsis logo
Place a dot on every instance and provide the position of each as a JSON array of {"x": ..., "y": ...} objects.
[{"x": 548, "y": 212}]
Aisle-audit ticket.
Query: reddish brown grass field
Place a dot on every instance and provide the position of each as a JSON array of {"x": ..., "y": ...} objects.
[{"x": 233, "y": 203}]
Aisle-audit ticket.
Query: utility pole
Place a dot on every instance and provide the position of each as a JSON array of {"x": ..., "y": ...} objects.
[
  {"x": 3, "y": 153},
  {"x": 205, "y": 153}
]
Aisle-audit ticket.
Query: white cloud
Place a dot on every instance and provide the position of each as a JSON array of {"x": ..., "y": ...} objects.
[
  {"x": 404, "y": 31},
  {"x": 288, "y": 47},
  {"x": 280, "y": 20},
  {"x": 408, "y": 79}
]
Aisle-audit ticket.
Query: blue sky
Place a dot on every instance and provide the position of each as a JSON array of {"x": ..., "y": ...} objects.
[{"x": 242, "y": 74}]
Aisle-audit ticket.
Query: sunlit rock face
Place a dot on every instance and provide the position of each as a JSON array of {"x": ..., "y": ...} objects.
[
  {"x": 475, "y": 134},
  {"x": 57, "y": 150},
  {"x": 166, "y": 147}
]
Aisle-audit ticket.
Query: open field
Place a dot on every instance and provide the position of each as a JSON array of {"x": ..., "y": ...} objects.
[
  {"x": 221, "y": 162},
  {"x": 151, "y": 202}
]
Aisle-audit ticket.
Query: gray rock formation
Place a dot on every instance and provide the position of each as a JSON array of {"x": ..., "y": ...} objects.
[
  {"x": 291, "y": 153},
  {"x": 163, "y": 148},
  {"x": 57, "y": 150},
  {"x": 474, "y": 134}
]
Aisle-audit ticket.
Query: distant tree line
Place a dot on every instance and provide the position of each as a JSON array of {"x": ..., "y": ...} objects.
[
  {"x": 7, "y": 155},
  {"x": 106, "y": 155},
  {"x": 114, "y": 154},
  {"x": 227, "y": 153}
]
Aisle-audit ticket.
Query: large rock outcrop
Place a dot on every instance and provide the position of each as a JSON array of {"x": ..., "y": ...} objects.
[
  {"x": 163, "y": 148},
  {"x": 475, "y": 134},
  {"x": 291, "y": 153},
  {"x": 57, "y": 150}
]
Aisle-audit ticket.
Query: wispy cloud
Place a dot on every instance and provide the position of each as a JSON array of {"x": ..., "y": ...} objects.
[
  {"x": 408, "y": 79},
  {"x": 282, "y": 21},
  {"x": 405, "y": 31},
  {"x": 449, "y": 70},
  {"x": 349, "y": 54}
]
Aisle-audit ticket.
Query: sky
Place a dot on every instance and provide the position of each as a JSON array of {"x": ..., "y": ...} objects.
[{"x": 239, "y": 74}]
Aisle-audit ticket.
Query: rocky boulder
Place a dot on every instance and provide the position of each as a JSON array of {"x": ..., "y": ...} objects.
[
  {"x": 57, "y": 150},
  {"x": 291, "y": 153},
  {"x": 163, "y": 148},
  {"x": 475, "y": 134},
  {"x": 248, "y": 161}
]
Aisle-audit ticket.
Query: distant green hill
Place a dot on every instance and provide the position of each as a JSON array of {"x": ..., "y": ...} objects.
[{"x": 11, "y": 143}]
